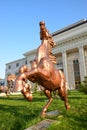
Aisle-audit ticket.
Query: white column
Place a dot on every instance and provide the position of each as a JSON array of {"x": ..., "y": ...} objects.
[
  {"x": 82, "y": 63},
  {"x": 64, "y": 56}
]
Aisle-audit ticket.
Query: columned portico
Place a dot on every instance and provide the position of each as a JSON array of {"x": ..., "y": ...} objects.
[
  {"x": 64, "y": 56},
  {"x": 82, "y": 63}
]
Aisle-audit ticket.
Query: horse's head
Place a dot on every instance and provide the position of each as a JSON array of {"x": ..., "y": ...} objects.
[{"x": 47, "y": 42}]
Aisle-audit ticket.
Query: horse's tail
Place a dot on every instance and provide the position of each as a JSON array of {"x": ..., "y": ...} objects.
[
  {"x": 63, "y": 80},
  {"x": 63, "y": 93},
  {"x": 63, "y": 84}
]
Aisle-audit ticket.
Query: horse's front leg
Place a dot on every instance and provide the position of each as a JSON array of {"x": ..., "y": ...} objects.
[
  {"x": 49, "y": 95},
  {"x": 26, "y": 91}
]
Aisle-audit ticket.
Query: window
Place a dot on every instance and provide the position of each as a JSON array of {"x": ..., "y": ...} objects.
[
  {"x": 8, "y": 74},
  {"x": 17, "y": 73},
  {"x": 75, "y": 61},
  {"x": 9, "y": 67},
  {"x": 76, "y": 72},
  {"x": 17, "y": 64},
  {"x": 25, "y": 61}
]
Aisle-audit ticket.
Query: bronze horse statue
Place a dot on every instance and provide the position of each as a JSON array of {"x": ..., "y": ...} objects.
[
  {"x": 7, "y": 89},
  {"x": 43, "y": 72},
  {"x": 4, "y": 89}
]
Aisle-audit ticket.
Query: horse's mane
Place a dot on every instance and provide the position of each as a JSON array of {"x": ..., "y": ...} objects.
[{"x": 44, "y": 35}]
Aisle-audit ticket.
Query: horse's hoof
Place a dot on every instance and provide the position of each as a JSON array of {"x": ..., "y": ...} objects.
[
  {"x": 68, "y": 107},
  {"x": 43, "y": 114}
]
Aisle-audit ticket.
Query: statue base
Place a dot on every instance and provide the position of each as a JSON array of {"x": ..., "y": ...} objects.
[
  {"x": 43, "y": 125},
  {"x": 52, "y": 113}
]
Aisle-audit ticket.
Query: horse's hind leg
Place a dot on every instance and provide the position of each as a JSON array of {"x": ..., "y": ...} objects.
[{"x": 48, "y": 94}]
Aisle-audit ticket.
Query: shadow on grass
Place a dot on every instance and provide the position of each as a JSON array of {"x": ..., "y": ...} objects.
[
  {"x": 16, "y": 117},
  {"x": 76, "y": 97},
  {"x": 16, "y": 113},
  {"x": 22, "y": 98},
  {"x": 75, "y": 121}
]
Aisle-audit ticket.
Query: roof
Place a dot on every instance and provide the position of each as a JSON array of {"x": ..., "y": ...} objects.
[
  {"x": 76, "y": 24},
  {"x": 83, "y": 21},
  {"x": 16, "y": 61},
  {"x": 30, "y": 52}
]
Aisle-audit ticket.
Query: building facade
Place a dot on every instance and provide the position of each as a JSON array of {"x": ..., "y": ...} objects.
[
  {"x": 13, "y": 67},
  {"x": 70, "y": 52},
  {"x": 2, "y": 82}
]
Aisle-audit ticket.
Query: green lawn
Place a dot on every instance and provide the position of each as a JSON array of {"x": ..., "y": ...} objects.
[{"x": 16, "y": 113}]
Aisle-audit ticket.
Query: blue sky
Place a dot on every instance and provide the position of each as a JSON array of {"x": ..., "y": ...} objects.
[{"x": 19, "y": 24}]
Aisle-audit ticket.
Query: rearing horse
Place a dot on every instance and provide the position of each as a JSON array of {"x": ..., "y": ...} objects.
[{"x": 43, "y": 72}]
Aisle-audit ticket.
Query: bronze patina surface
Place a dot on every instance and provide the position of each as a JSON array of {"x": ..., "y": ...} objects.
[{"x": 43, "y": 72}]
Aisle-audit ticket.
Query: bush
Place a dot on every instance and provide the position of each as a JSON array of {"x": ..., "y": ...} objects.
[{"x": 83, "y": 85}]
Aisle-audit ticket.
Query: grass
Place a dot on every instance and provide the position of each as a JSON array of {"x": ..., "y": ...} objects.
[{"x": 16, "y": 113}]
